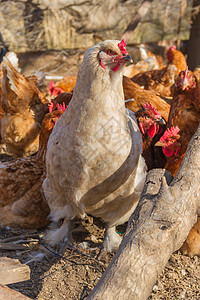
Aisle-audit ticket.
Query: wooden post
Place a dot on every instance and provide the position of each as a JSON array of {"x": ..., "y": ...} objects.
[{"x": 160, "y": 224}]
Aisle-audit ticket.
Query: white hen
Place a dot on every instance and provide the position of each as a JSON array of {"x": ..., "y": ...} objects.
[{"x": 94, "y": 162}]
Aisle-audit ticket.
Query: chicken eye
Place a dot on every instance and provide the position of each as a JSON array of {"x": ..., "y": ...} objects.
[
  {"x": 147, "y": 117},
  {"x": 111, "y": 52}
]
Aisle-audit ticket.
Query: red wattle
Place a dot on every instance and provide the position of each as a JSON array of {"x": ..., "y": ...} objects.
[
  {"x": 157, "y": 128},
  {"x": 152, "y": 131},
  {"x": 102, "y": 65},
  {"x": 141, "y": 127},
  {"x": 177, "y": 151},
  {"x": 117, "y": 67},
  {"x": 167, "y": 151}
]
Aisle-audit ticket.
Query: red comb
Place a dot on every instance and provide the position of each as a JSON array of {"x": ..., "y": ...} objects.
[
  {"x": 122, "y": 46},
  {"x": 154, "y": 110},
  {"x": 51, "y": 86},
  {"x": 185, "y": 72},
  {"x": 51, "y": 105},
  {"x": 169, "y": 132},
  {"x": 173, "y": 47},
  {"x": 61, "y": 107},
  {"x": 169, "y": 52}
]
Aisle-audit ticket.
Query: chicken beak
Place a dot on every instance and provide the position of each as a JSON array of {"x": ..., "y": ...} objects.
[
  {"x": 184, "y": 86},
  {"x": 160, "y": 121},
  {"x": 128, "y": 58},
  {"x": 159, "y": 144}
]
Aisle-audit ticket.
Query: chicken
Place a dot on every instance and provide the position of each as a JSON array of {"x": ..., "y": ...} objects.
[
  {"x": 94, "y": 162},
  {"x": 136, "y": 97},
  {"x": 152, "y": 125},
  {"x": 177, "y": 58},
  {"x": 185, "y": 107},
  {"x": 21, "y": 200},
  {"x": 24, "y": 109},
  {"x": 169, "y": 142},
  {"x": 185, "y": 115},
  {"x": 162, "y": 80},
  {"x": 61, "y": 98},
  {"x": 67, "y": 84}
]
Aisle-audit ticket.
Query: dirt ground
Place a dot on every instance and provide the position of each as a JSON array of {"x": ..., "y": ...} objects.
[{"x": 73, "y": 274}]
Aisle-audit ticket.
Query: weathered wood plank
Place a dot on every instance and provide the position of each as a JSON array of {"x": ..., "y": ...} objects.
[
  {"x": 12, "y": 271},
  {"x": 8, "y": 294}
]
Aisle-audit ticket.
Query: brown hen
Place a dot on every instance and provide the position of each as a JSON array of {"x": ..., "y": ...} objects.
[
  {"x": 67, "y": 84},
  {"x": 21, "y": 199},
  {"x": 24, "y": 109},
  {"x": 138, "y": 97}
]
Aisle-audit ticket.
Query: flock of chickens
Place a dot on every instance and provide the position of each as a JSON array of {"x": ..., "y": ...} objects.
[{"x": 89, "y": 149}]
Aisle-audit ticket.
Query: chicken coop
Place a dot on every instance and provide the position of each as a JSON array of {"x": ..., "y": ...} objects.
[{"x": 99, "y": 149}]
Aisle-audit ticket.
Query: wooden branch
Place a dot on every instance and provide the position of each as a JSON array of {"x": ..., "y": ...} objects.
[
  {"x": 160, "y": 224},
  {"x": 12, "y": 271},
  {"x": 19, "y": 238},
  {"x": 10, "y": 246},
  {"x": 8, "y": 294}
]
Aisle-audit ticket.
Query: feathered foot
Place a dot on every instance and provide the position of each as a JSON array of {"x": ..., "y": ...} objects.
[
  {"x": 55, "y": 236},
  {"x": 112, "y": 240},
  {"x": 111, "y": 243}
]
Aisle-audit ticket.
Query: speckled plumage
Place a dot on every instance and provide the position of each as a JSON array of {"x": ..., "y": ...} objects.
[{"x": 94, "y": 151}]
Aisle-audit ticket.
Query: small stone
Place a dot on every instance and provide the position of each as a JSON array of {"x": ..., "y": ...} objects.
[
  {"x": 94, "y": 239},
  {"x": 182, "y": 295},
  {"x": 183, "y": 272},
  {"x": 83, "y": 245},
  {"x": 155, "y": 288}
]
